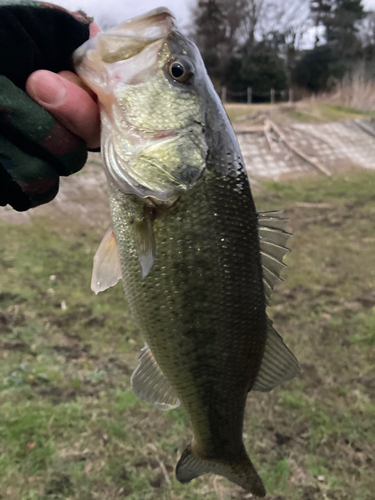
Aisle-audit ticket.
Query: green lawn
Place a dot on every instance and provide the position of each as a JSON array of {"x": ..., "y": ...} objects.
[{"x": 70, "y": 427}]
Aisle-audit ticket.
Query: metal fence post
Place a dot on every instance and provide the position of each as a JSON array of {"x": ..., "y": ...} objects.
[
  {"x": 291, "y": 96},
  {"x": 273, "y": 96},
  {"x": 249, "y": 95},
  {"x": 223, "y": 94}
]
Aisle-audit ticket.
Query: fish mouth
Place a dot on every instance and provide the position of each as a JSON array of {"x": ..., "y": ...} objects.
[
  {"x": 161, "y": 17},
  {"x": 128, "y": 39}
]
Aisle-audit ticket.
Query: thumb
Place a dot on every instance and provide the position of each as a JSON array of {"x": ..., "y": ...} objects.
[{"x": 70, "y": 104}]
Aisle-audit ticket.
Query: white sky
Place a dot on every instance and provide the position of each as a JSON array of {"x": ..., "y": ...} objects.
[
  {"x": 116, "y": 11},
  {"x": 112, "y": 12},
  {"x": 369, "y": 4}
]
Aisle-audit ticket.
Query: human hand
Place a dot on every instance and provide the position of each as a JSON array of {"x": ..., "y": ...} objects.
[
  {"x": 39, "y": 144},
  {"x": 69, "y": 100},
  {"x": 66, "y": 98}
]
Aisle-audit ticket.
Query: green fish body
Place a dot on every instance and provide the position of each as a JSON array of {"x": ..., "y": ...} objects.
[{"x": 198, "y": 262}]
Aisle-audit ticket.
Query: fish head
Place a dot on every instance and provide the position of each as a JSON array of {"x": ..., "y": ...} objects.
[{"x": 153, "y": 89}]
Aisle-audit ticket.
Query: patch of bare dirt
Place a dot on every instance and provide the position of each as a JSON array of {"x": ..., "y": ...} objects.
[{"x": 82, "y": 197}]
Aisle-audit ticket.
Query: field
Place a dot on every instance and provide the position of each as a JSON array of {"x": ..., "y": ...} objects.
[{"x": 71, "y": 428}]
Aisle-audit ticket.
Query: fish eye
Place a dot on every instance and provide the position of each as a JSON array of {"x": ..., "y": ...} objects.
[{"x": 180, "y": 71}]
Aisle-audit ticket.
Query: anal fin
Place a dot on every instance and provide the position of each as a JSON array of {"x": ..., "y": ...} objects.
[
  {"x": 278, "y": 364},
  {"x": 151, "y": 385}
]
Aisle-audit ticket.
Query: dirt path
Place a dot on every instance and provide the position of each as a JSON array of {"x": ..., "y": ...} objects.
[
  {"x": 82, "y": 198},
  {"x": 337, "y": 146}
]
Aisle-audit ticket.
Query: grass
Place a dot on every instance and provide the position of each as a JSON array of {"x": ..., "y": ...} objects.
[
  {"x": 355, "y": 90},
  {"x": 70, "y": 427}
]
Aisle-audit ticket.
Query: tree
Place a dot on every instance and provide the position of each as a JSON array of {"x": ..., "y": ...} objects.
[
  {"x": 342, "y": 34},
  {"x": 234, "y": 24},
  {"x": 321, "y": 12},
  {"x": 340, "y": 19},
  {"x": 367, "y": 37},
  {"x": 318, "y": 69},
  {"x": 210, "y": 34},
  {"x": 241, "y": 18},
  {"x": 262, "y": 70},
  {"x": 242, "y": 39}
]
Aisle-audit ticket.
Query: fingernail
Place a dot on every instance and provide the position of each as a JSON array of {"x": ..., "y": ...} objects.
[{"x": 48, "y": 88}]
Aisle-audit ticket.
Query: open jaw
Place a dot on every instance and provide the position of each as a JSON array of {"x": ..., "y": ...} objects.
[
  {"x": 156, "y": 23},
  {"x": 147, "y": 153},
  {"x": 136, "y": 41}
]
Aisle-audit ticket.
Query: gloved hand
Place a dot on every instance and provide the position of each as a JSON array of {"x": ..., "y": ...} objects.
[{"x": 35, "y": 148}]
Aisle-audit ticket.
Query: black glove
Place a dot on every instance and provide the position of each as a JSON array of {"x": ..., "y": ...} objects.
[{"x": 32, "y": 154}]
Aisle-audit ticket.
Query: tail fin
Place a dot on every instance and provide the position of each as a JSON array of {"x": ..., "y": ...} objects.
[{"x": 242, "y": 472}]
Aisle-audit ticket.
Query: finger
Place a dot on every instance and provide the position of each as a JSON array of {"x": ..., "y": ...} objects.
[
  {"x": 72, "y": 77},
  {"x": 94, "y": 29},
  {"x": 72, "y": 106}
]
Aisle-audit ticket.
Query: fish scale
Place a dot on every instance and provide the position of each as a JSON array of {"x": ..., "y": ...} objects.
[
  {"x": 207, "y": 319},
  {"x": 198, "y": 263}
]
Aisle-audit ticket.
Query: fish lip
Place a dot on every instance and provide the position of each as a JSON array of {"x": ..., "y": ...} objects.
[
  {"x": 158, "y": 12},
  {"x": 152, "y": 26}
]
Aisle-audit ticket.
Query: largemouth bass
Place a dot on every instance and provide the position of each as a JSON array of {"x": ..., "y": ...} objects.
[{"x": 198, "y": 263}]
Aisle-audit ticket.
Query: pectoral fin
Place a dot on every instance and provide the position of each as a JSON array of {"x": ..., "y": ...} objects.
[
  {"x": 144, "y": 240},
  {"x": 107, "y": 270},
  {"x": 278, "y": 365},
  {"x": 151, "y": 385}
]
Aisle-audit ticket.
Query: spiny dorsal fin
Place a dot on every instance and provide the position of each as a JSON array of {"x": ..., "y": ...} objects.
[
  {"x": 107, "y": 270},
  {"x": 273, "y": 219},
  {"x": 278, "y": 364},
  {"x": 151, "y": 385},
  {"x": 272, "y": 239}
]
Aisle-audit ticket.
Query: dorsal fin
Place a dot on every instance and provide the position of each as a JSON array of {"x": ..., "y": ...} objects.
[
  {"x": 278, "y": 364},
  {"x": 272, "y": 239},
  {"x": 107, "y": 270},
  {"x": 151, "y": 385}
]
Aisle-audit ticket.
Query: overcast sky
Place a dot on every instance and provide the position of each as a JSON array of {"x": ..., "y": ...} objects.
[
  {"x": 369, "y": 4},
  {"x": 115, "y": 11}
]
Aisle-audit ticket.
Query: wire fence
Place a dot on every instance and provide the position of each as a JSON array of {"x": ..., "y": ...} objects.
[{"x": 250, "y": 96}]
